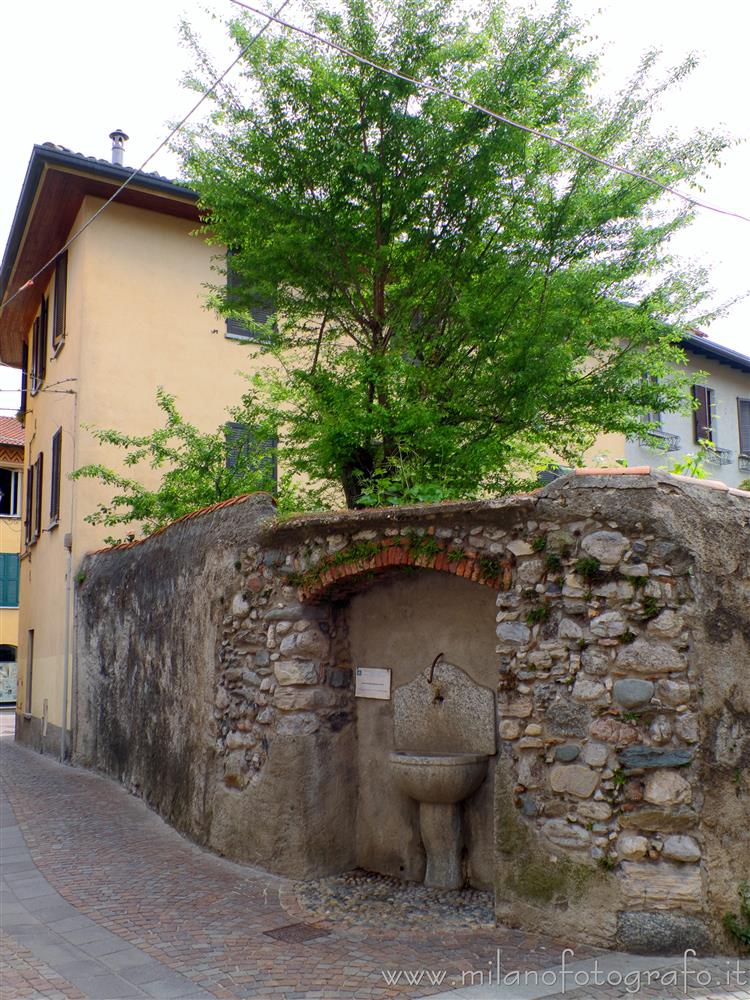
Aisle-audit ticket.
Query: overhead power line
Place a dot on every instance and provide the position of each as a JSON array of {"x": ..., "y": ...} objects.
[
  {"x": 137, "y": 170},
  {"x": 565, "y": 143}
]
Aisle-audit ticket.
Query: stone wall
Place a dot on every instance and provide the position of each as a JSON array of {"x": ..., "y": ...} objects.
[{"x": 216, "y": 672}]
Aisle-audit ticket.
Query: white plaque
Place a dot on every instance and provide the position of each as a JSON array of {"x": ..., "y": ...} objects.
[{"x": 373, "y": 682}]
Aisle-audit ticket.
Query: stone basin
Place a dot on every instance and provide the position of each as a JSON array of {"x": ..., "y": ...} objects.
[{"x": 438, "y": 777}]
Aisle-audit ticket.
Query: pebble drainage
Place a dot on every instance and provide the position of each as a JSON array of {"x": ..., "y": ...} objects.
[{"x": 296, "y": 933}]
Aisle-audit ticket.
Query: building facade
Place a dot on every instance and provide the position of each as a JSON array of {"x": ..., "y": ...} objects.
[
  {"x": 119, "y": 313},
  {"x": 11, "y": 492},
  {"x": 721, "y": 420}
]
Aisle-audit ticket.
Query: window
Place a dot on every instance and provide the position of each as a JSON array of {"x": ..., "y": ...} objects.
[
  {"x": 10, "y": 489},
  {"x": 260, "y": 311},
  {"x": 39, "y": 348},
  {"x": 703, "y": 416},
  {"x": 242, "y": 444},
  {"x": 55, "y": 478},
  {"x": 8, "y": 580},
  {"x": 33, "y": 507},
  {"x": 24, "y": 376},
  {"x": 38, "y": 481},
  {"x": 61, "y": 301},
  {"x": 743, "y": 417}
]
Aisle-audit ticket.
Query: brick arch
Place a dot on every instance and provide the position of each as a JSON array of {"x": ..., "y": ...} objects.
[{"x": 339, "y": 575}]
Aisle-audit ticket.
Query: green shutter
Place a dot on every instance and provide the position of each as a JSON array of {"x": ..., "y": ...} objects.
[{"x": 9, "y": 568}]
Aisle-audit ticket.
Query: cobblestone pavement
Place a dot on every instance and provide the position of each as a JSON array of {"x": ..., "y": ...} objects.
[
  {"x": 104, "y": 901},
  {"x": 107, "y": 895}
]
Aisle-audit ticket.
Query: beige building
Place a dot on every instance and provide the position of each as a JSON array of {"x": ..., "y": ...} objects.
[
  {"x": 120, "y": 313},
  {"x": 11, "y": 473},
  {"x": 721, "y": 388}
]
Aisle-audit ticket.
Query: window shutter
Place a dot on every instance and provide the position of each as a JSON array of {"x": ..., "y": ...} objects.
[
  {"x": 702, "y": 414},
  {"x": 61, "y": 301},
  {"x": 43, "y": 325},
  {"x": 24, "y": 376},
  {"x": 28, "y": 504},
  {"x": 38, "y": 485},
  {"x": 55, "y": 477},
  {"x": 261, "y": 310},
  {"x": 743, "y": 407},
  {"x": 35, "y": 357},
  {"x": 8, "y": 580}
]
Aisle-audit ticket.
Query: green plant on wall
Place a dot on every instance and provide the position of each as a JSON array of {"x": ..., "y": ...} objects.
[{"x": 739, "y": 926}]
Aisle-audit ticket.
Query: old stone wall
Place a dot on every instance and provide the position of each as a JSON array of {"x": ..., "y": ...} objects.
[{"x": 217, "y": 664}]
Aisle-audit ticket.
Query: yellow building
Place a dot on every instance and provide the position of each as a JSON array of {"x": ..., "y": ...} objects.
[
  {"x": 120, "y": 313},
  {"x": 11, "y": 472}
]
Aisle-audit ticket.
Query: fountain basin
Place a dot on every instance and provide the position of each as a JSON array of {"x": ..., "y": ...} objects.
[{"x": 438, "y": 777}]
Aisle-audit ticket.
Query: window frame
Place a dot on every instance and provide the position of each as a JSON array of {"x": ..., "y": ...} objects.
[
  {"x": 4, "y": 558},
  {"x": 55, "y": 479},
  {"x": 704, "y": 431},
  {"x": 744, "y": 445},
  {"x": 60, "y": 304},
  {"x": 235, "y": 328},
  {"x": 39, "y": 345},
  {"x": 15, "y": 501}
]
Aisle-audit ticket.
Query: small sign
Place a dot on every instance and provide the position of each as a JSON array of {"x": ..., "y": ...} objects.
[{"x": 373, "y": 682}]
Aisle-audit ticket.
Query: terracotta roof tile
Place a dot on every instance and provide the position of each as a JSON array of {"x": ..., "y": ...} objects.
[{"x": 11, "y": 431}]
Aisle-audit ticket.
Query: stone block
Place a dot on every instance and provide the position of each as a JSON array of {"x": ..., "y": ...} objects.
[
  {"x": 607, "y": 546},
  {"x": 566, "y": 718},
  {"x": 513, "y": 633},
  {"x": 569, "y": 629},
  {"x": 609, "y": 625},
  {"x": 590, "y": 691},
  {"x": 661, "y": 886},
  {"x": 673, "y": 693},
  {"x": 298, "y": 724},
  {"x": 567, "y": 753},
  {"x": 509, "y": 729},
  {"x": 292, "y": 699},
  {"x": 650, "y": 657},
  {"x": 530, "y": 572},
  {"x": 519, "y": 548},
  {"x": 568, "y": 836},
  {"x": 644, "y": 933},
  {"x": 312, "y": 642},
  {"x": 517, "y": 708},
  {"x": 679, "y": 847},
  {"x": 531, "y": 769},
  {"x": 596, "y": 754},
  {"x": 297, "y": 672},
  {"x": 651, "y": 757},
  {"x": 660, "y": 820},
  {"x": 632, "y": 847},
  {"x": 573, "y": 779},
  {"x": 632, "y": 692},
  {"x": 609, "y": 730},
  {"x": 667, "y": 625},
  {"x": 667, "y": 788},
  {"x": 591, "y": 809},
  {"x": 687, "y": 727},
  {"x": 596, "y": 661}
]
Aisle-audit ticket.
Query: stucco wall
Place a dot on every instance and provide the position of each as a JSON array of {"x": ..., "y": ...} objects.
[
  {"x": 403, "y": 623},
  {"x": 610, "y": 614}
]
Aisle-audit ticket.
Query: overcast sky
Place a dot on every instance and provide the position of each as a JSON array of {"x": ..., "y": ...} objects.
[{"x": 72, "y": 72}]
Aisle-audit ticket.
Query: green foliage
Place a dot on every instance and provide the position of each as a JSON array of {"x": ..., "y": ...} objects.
[
  {"x": 745, "y": 485},
  {"x": 588, "y": 568},
  {"x": 692, "y": 463},
  {"x": 650, "y": 606},
  {"x": 491, "y": 568},
  {"x": 739, "y": 926},
  {"x": 553, "y": 562},
  {"x": 456, "y": 298},
  {"x": 196, "y": 468},
  {"x": 539, "y": 543},
  {"x": 537, "y": 615}
]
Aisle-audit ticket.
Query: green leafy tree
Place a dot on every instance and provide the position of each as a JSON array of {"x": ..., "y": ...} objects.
[
  {"x": 197, "y": 468},
  {"x": 456, "y": 298}
]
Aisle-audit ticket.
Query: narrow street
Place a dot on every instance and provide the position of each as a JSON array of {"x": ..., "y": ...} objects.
[{"x": 101, "y": 899}]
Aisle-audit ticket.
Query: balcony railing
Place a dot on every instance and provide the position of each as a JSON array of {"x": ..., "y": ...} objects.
[
  {"x": 718, "y": 456},
  {"x": 660, "y": 440}
]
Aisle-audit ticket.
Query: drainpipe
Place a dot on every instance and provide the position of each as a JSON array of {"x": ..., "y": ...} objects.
[{"x": 68, "y": 542}]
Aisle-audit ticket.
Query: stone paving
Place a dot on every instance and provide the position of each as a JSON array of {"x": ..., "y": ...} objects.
[{"x": 103, "y": 901}]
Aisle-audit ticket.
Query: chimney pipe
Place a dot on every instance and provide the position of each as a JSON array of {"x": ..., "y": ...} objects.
[{"x": 119, "y": 139}]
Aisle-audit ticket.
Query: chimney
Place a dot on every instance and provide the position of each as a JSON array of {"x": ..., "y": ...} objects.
[{"x": 119, "y": 139}]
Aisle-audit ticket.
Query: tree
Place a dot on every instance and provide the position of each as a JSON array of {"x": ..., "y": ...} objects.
[
  {"x": 199, "y": 469},
  {"x": 455, "y": 297}
]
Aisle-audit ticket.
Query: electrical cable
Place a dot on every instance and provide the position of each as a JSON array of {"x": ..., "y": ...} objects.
[
  {"x": 493, "y": 114},
  {"x": 137, "y": 170}
]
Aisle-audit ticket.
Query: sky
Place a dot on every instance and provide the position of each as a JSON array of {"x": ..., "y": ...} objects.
[{"x": 72, "y": 72}]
